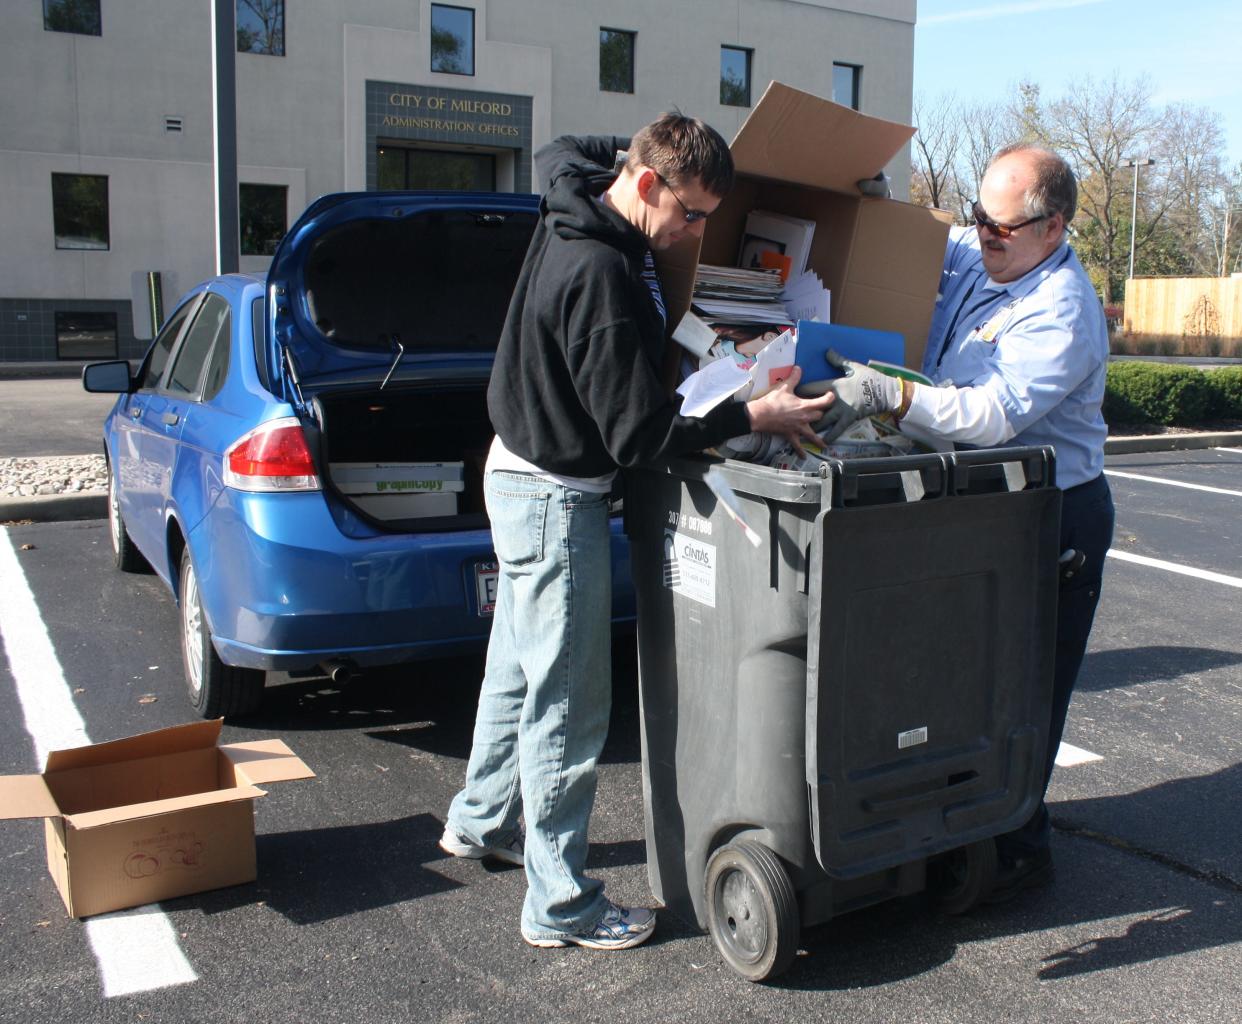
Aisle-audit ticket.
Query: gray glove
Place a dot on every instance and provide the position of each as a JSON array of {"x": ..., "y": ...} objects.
[{"x": 861, "y": 392}]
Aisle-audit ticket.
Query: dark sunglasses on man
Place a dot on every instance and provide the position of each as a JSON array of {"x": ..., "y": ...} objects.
[
  {"x": 691, "y": 215},
  {"x": 999, "y": 230}
]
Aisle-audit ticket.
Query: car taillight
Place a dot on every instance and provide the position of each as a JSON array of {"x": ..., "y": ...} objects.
[{"x": 272, "y": 457}]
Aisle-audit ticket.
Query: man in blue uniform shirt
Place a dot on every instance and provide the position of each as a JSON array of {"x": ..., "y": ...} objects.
[{"x": 1019, "y": 347}]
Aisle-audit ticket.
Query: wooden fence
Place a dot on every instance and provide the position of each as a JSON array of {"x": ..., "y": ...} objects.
[{"x": 1204, "y": 312}]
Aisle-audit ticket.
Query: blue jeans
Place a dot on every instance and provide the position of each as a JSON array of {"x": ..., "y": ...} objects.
[{"x": 546, "y": 695}]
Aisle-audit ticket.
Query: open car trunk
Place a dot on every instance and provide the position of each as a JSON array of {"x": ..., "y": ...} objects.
[
  {"x": 397, "y": 301},
  {"x": 409, "y": 457}
]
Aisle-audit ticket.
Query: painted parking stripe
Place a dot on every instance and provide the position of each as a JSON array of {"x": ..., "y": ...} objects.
[
  {"x": 1172, "y": 483},
  {"x": 137, "y": 951},
  {"x": 1236, "y": 451},
  {"x": 1069, "y": 755},
  {"x": 1184, "y": 570}
]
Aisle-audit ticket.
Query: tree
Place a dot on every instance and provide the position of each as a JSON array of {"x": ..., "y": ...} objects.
[
  {"x": 261, "y": 27},
  {"x": 935, "y": 149}
]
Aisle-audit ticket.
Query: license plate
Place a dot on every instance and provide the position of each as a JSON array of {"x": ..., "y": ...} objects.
[{"x": 486, "y": 577}]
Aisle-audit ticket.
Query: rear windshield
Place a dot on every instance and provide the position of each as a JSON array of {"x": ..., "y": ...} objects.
[{"x": 439, "y": 280}]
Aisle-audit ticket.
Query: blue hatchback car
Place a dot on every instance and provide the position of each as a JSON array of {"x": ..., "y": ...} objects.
[{"x": 300, "y": 458}]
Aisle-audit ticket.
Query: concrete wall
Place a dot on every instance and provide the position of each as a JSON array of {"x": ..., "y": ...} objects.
[{"x": 98, "y": 105}]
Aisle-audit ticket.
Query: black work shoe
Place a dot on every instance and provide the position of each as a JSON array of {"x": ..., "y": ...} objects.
[{"x": 1014, "y": 874}]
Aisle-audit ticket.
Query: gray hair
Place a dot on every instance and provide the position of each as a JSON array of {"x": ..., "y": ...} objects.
[{"x": 1055, "y": 189}]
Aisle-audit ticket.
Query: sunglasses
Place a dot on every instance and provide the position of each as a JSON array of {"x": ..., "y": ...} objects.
[
  {"x": 691, "y": 215},
  {"x": 999, "y": 230}
]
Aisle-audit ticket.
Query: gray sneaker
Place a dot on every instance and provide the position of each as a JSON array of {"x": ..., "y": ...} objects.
[
  {"x": 510, "y": 851},
  {"x": 619, "y": 928}
]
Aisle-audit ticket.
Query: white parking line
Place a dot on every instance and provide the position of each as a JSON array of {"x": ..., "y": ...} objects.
[
  {"x": 1236, "y": 451},
  {"x": 137, "y": 951},
  {"x": 1183, "y": 570},
  {"x": 1172, "y": 483},
  {"x": 1069, "y": 755}
]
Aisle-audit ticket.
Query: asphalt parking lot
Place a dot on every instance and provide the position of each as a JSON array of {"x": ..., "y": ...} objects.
[{"x": 356, "y": 914}]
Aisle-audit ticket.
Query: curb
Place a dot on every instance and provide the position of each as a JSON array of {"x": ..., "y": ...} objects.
[
  {"x": 1171, "y": 442},
  {"x": 56, "y": 508}
]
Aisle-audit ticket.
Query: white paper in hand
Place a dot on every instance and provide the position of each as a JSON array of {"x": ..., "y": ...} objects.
[{"x": 705, "y": 389}]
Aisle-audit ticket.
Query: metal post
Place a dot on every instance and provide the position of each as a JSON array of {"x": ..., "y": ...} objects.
[
  {"x": 1136, "y": 164},
  {"x": 224, "y": 141}
]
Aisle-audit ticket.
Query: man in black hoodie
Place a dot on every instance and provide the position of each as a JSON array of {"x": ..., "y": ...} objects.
[{"x": 575, "y": 394}]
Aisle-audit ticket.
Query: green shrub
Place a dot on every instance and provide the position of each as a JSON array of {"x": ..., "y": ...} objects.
[
  {"x": 1138, "y": 392},
  {"x": 1224, "y": 393}
]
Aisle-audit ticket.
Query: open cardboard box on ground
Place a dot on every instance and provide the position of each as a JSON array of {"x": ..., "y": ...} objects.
[
  {"x": 803, "y": 156},
  {"x": 150, "y": 817}
]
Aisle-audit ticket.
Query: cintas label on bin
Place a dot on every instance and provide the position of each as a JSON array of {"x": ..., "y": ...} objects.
[{"x": 689, "y": 567}]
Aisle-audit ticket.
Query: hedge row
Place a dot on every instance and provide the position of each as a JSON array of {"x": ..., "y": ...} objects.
[{"x": 1138, "y": 392}]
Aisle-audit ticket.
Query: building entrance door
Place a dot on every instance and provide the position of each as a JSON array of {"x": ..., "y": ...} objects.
[{"x": 403, "y": 167}]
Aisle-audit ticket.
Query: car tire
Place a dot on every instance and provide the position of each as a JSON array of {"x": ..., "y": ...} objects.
[
  {"x": 214, "y": 688},
  {"x": 958, "y": 880},
  {"x": 125, "y": 554},
  {"x": 752, "y": 910}
]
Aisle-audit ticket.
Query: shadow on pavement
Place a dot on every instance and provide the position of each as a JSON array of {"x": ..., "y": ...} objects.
[{"x": 1133, "y": 666}]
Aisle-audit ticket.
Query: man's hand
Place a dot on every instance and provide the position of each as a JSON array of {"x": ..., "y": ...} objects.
[
  {"x": 782, "y": 412},
  {"x": 861, "y": 392}
]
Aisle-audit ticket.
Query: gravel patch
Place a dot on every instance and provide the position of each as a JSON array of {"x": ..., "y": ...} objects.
[{"x": 53, "y": 474}]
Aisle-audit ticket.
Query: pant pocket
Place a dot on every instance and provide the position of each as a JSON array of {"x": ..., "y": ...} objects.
[{"x": 519, "y": 520}]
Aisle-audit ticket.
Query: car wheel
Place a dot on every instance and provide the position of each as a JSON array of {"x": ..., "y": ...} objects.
[
  {"x": 959, "y": 879},
  {"x": 215, "y": 689},
  {"x": 126, "y": 556},
  {"x": 752, "y": 910}
]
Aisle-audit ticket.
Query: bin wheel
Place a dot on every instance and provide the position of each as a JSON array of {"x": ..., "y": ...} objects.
[
  {"x": 959, "y": 879},
  {"x": 752, "y": 910}
]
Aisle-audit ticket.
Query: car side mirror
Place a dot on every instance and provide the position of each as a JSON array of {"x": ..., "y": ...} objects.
[{"x": 108, "y": 378}]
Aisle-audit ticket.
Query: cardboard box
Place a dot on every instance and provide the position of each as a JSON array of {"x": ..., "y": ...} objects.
[
  {"x": 801, "y": 155},
  {"x": 397, "y": 477},
  {"x": 150, "y": 817},
  {"x": 407, "y": 506}
]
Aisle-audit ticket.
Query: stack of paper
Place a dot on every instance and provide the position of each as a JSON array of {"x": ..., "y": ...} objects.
[
  {"x": 736, "y": 296},
  {"x": 776, "y": 232},
  {"x": 806, "y": 298}
]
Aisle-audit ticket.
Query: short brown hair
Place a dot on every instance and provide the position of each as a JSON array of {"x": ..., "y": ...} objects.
[{"x": 684, "y": 149}]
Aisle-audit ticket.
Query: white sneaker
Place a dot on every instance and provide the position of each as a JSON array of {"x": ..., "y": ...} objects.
[
  {"x": 510, "y": 851},
  {"x": 619, "y": 928}
]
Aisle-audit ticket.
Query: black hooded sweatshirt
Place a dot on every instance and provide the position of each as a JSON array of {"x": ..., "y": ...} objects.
[{"x": 575, "y": 388}]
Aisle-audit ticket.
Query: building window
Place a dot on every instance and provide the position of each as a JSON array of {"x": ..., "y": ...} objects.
[
  {"x": 85, "y": 335},
  {"x": 845, "y": 81},
  {"x": 402, "y": 167},
  {"x": 80, "y": 211},
  {"x": 616, "y": 60},
  {"x": 735, "y": 76},
  {"x": 261, "y": 27},
  {"x": 452, "y": 39},
  {"x": 80, "y": 16},
  {"x": 262, "y": 219}
]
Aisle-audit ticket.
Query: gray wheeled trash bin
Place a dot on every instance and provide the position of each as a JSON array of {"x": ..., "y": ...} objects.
[{"x": 852, "y": 709}]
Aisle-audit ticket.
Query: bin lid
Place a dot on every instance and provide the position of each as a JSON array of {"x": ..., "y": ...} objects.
[{"x": 931, "y": 631}]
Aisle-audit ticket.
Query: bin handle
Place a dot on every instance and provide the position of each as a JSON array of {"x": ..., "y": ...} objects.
[
  {"x": 1027, "y": 467},
  {"x": 912, "y": 472}
]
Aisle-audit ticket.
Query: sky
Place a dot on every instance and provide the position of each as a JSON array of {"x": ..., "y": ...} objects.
[{"x": 1190, "y": 50}]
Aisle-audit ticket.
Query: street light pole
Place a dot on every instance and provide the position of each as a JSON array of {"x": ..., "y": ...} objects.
[{"x": 1136, "y": 164}]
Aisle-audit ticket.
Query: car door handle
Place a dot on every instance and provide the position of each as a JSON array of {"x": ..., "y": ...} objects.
[{"x": 170, "y": 419}]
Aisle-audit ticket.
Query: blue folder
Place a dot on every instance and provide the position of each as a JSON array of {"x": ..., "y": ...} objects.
[{"x": 860, "y": 344}]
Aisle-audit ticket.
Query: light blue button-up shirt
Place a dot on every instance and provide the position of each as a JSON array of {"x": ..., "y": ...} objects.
[{"x": 1038, "y": 346}]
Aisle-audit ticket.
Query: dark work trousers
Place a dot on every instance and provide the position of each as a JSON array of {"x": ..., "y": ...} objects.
[{"x": 1087, "y": 526}]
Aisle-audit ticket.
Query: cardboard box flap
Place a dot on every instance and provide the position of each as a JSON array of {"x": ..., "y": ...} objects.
[
  {"x": 263, "y": 761},
  {"x": 797, "y": 137},
  {"x": 174, "y": 740},
  {"x": 133, "y": 812},
  {"x": 26, "y": 796}
]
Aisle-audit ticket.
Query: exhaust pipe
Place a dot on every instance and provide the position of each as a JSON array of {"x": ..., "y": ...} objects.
[{"x": 340, "y": 672}]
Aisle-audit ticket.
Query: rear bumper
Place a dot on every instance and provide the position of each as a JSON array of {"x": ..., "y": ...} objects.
[{"x": 283, "y": 588}]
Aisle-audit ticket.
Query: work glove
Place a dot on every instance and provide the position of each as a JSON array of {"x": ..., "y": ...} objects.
[{"x": 861, "y": 392}]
